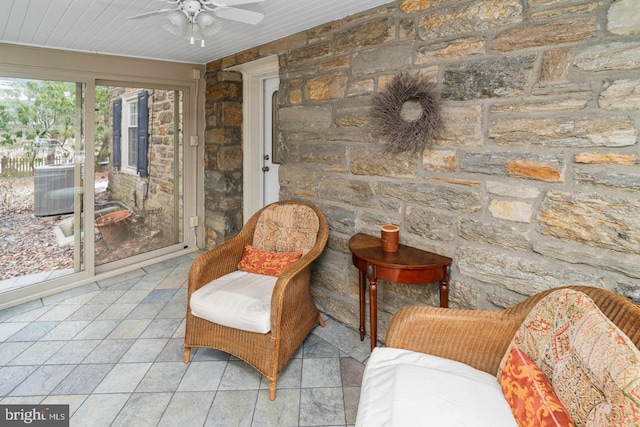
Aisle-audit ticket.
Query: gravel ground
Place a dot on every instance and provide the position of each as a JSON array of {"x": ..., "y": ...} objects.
[{"x": 27, "y": 243}]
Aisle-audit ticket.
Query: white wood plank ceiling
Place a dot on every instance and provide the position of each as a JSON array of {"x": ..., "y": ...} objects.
[{"x": 101, "y": 26}]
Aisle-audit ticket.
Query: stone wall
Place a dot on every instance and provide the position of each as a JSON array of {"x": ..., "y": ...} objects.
[
  {"x": 534, "y": 183},
  {"x": 223, "y": 153}
]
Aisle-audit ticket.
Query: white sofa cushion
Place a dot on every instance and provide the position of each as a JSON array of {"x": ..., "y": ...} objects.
[
  {"x": 405, "y": 388},
  {"x": 239, "y": 300}
]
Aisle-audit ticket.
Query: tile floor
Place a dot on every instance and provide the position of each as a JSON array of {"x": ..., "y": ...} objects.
[{"x": 112, "y": 350}]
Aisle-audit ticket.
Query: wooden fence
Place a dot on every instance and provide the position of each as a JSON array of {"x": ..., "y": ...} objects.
[{"x": 21, "y": 167}]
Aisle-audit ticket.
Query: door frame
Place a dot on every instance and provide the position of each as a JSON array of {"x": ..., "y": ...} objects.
[
  {"x": 270, "y": 178},
  {"x": 252, "y": 75}
]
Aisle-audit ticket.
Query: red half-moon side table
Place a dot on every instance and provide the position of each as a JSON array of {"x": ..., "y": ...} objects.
[{"x": 406, "y": 266}]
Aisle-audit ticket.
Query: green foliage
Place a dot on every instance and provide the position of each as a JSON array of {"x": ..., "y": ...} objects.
[
  {"x": 34, "y": 109},
  {"x": 5, "y": 118},
  {"x": 37, "y": 108},
  {"x": 103, "y": 127},
  {"x": 52, "y": 112},
  {"x": 7, "y": 139}
]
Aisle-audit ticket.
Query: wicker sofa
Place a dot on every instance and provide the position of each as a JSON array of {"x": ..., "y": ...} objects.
[{"x": 481, "y": 340}]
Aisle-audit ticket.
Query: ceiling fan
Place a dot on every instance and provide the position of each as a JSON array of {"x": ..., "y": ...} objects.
[{"x": 197, "y": 19}]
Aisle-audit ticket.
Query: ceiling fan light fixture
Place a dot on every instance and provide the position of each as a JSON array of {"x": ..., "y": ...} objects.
[
  {"x": 197, "y": 19},
  {"x": 209, "y": 24},
  {"x": 175, "y": 23}
]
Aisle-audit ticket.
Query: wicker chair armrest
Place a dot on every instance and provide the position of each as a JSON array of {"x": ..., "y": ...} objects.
[
  {"x": 477, "y": 338},
  {"x": 217, "y": 262},
  {"x": 286, "y": 295}
]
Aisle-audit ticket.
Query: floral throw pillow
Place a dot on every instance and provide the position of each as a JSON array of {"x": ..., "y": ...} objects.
[
  {"x": 286, "y": 228},
  {"x": 258, "y": 261},
  {"x": 593, "y": 366},
  {"x": 529, "y": 394}
]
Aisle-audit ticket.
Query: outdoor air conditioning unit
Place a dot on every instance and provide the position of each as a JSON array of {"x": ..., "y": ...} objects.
[{"x": 53, "y": 189}]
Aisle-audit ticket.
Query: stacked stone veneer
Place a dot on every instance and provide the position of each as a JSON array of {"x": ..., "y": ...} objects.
[{"x": 534, "y": 183}]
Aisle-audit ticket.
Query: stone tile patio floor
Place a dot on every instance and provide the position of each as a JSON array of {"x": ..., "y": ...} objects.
[{"x": 112, "y": 350}]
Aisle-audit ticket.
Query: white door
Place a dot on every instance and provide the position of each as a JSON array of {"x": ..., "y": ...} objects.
[
  {"x": 270, "y": 157},
  {"x": 254, "y": 76}
]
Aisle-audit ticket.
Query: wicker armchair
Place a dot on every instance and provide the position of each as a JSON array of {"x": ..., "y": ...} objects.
[
  {"x": 480, "y": 338},
  {"x": 293, "y": 312}
]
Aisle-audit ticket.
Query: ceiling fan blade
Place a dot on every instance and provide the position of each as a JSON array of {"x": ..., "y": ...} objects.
[
  {"x": 240, "y": 15},
  {"x": 155, "y": 12},
  {"x": 223, "y": 3}
]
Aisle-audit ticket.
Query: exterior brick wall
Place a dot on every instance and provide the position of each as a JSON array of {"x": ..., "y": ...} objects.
[{"x": 534, "y": 184}]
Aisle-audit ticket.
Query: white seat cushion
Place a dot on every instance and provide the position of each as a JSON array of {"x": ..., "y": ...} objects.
[
  {"x": 405, "y": 388},
  {"x": 239, "y": 300}
]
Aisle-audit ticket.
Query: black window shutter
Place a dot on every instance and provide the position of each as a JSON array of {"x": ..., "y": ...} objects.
[
  {"x": 143, "y": 133},
  {"x": 117, "y": 133}
]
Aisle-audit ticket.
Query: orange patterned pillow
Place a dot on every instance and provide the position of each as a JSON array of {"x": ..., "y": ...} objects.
[
  {"x": 255, "y": 260},
  {"x": 528, "y": 392}
]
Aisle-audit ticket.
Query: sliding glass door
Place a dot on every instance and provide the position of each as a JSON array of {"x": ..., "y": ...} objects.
[
  {"x": 71, "y": 207},
  {"x": 41, "y": 181},
  {"x": 139, "y": 200},
  {"x": 92, "y": 176}
]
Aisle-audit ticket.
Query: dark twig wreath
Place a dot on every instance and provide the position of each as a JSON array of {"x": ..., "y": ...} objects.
[{"x": 398, "y": 133}]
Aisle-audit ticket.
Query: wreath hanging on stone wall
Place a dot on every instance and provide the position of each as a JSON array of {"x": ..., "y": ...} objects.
[{"x": 398, "y": 133}]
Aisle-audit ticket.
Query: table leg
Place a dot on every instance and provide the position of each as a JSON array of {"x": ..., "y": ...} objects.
[
  {"x": 361, "y": 292},
  {"x": 444, "y": 290},
  {"x": 373, "y": 310}
]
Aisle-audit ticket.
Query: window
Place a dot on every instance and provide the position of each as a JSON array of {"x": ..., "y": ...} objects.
[
  {"x": 130, "y": 145},
  {"x": 131, "y": 133}
]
